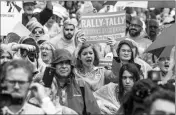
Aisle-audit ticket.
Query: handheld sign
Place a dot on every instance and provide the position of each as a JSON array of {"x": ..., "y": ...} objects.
[
  {"x": 98, "y": 27},
  {"x": 11, "y": 14}
]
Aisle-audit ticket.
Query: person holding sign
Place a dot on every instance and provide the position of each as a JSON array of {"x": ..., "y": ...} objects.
[{"x": 86, "y": 70}]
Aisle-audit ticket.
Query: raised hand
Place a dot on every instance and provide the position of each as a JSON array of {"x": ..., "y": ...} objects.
[
  {"x": 28, "y": 47},
  {"x": 111, "y": 41}
]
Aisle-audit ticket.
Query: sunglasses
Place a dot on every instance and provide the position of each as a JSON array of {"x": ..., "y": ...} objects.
[
  {"x": 39, "y": 32},
  {"x": 135, "y": 25}
]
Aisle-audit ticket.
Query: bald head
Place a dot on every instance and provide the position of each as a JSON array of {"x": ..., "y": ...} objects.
[{"x": 135, "y": 27}]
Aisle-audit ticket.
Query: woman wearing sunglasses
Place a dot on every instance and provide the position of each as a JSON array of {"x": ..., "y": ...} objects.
[{"x": 37, "y": 30}]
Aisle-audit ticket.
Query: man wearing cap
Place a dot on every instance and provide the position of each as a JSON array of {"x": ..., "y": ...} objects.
[
  {"x": 42, "y": 17},
  {"x": 66, "y": 40},
  {"x": 65, "y": 89}
]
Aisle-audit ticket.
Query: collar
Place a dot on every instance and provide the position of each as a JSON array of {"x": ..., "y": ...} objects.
[{"x": 67, "y": 82}]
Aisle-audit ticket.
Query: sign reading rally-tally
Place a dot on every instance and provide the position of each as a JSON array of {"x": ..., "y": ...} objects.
[{"x": 98, "y": 27}]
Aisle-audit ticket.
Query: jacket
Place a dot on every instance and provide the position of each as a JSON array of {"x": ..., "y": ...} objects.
[{"x": 79, "y": 97}]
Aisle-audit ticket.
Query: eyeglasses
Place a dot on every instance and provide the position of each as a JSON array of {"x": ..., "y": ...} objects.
[
  {"x": 39, "y": 32},
  {"x": 44, "y": 48},
  {"x": 13, "y": 82},
  {"x": 135, "y": 25}
]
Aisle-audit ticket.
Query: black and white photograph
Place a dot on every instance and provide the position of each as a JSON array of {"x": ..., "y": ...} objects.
[{"x": 87, "y": 57}]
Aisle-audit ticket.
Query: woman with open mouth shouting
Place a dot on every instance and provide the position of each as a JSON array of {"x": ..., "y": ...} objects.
[
  {"x": 87, "y": 69},
  {"x": 47, "y": 52}
]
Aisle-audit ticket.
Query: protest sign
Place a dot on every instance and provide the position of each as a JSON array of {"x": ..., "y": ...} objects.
[
  {"x": 11, "y": 14},
  {"x": 98, "y": 27}
]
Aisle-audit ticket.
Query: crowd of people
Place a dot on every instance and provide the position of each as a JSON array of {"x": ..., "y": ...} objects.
[{"x": 55, "y": 71}]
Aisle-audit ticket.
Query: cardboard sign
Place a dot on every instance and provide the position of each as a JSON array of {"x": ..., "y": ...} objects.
[
  {"x": 98, "y": 27},
  {"x": 11, "y": 14}
]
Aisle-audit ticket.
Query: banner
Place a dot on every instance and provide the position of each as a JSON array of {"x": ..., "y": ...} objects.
[
  {"x": 11, "y": 14},
  {"x": 98, "y": 27}
]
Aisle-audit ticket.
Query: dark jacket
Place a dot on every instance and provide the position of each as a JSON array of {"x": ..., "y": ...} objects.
[
  {"x": 80, "y": 98},
  {"x": 42, "y": 17}
]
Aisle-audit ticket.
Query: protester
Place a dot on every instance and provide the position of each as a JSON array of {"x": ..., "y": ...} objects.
[
  {"x": 33, "y": 57},
  {"x": 66, "y": 91},
  {"x": 165, "y": 66},
  {"x": 152, "y": 29},
  {"x": 47, "y": 52},
  {"x": 136, "y": 34},
  {"x": 160, "y": 102},
  {"x": 87, "y": 69},
  {"x": 133, "y": 102},
  {"x": 17, "y": 76},
  {"x": 125, "y": 55},
  {"x": 70, "y": 6},
  {"x": 36, "y": 28},
  {"x": 54, "y": 25},
  {"x": 42, "y": 17},
  {"x": 110, "y": 96},
  {"x": 66, "y": 40},
  {"x": 5, "y": 56}
]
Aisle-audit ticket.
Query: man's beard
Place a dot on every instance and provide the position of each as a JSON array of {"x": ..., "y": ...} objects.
[
  {"x": 68, "y": 36},
  {"x": 134, "y": 34},
  {"x": 29, "y": 12},
  {"x": 17, "y": 100},
  {"x": 152, "y": 34}
]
